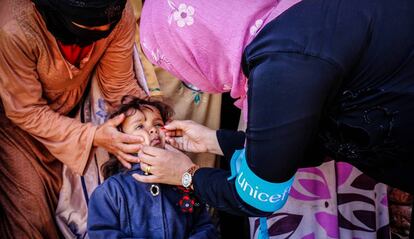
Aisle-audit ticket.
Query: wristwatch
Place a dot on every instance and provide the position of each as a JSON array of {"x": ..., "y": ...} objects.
[{"x": 187, "y": 177}]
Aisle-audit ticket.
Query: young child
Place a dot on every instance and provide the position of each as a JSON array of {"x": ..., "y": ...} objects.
[{"x": 124, "y": 208}]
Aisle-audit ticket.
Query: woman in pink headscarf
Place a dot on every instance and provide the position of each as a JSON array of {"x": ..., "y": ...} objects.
[{"x": 314, "y": 78}]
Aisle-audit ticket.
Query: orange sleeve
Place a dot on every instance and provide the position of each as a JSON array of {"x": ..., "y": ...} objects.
[
  {"x": 115, "y": 72},
  {"x": 69, "y": 140}
]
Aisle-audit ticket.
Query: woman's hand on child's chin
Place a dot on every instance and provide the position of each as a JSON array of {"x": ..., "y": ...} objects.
[
  {"x": 119, "y": 144},
  {"x": 166, "y": 165}
]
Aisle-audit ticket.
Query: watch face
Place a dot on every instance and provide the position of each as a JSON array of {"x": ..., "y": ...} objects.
[{"x": 186, "y": 180}]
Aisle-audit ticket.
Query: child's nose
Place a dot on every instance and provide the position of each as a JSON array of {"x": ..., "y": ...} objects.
[{"x": 153, "y": 130}]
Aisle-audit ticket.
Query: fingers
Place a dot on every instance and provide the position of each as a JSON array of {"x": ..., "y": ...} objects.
[
  {"x": 117, "y": 120},
  {"x": 171, "y": 148},
  {"x": 178, "y": 125},
  {"x": 148, "y": 159},
  {"x": 154, "y": 156},
  {"x": 143, "y": 166},
  {"x": 131, "y": 139},
  {"x": 128, "y": 158},
  {"x": 174, "y": 133},
  {"x": 146, "y": 168},
  {"x": 175, "y": 128},
  {"x": 146, "y": 138},
  {"x": 171, "y": 141},
  {"x": 153, "y": 151},
  {"x": 175, "y": 142},
  {"x": 124, "y": 162},
  {"x": 146, "y": 179},
  {"x": 129, "y": 148},
  {"x": 173, "y": 125}
]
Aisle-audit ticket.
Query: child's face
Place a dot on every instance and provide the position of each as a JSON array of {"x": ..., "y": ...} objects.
[{"x": 146, "y": 123}]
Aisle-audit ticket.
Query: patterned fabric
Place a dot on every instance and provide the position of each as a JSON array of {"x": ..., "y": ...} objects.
[
  {"x": 72, "y": 209},
  {"x": 180, "y": 37},
  {"x": 188, "y": 102},
  {"x": 334, "y": 200}
]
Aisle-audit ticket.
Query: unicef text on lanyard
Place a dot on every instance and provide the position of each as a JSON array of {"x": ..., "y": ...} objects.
[{"x": 257, "y": 192}]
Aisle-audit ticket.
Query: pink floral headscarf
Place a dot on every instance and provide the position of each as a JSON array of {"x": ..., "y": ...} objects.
[{"x": 202, "y": 41}]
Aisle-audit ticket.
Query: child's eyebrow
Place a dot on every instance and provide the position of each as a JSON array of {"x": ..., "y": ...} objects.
[
  {"x": 138, "y": 119},
  {"x": 158, "y": 119}
]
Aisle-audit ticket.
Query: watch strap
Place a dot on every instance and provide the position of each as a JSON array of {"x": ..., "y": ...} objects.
[{"x": 193, "y": 169}]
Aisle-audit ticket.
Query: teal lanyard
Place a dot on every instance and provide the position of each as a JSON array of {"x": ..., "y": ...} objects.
[{"x": 263, "y": 233}]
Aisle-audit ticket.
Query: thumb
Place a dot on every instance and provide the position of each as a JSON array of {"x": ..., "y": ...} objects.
[
  {"x": 117, "y": 120},
  {"x": 175, "y": 124}
]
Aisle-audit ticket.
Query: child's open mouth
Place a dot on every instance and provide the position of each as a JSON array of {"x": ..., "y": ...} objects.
[{"x": 155, "y": 142}]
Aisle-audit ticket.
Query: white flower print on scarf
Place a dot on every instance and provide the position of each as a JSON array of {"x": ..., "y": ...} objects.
[
  {"x": 255, "y": 28},
  {"x": 182, "y": 15}
]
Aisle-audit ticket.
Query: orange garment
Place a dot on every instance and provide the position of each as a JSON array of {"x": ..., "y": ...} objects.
[
  {"x": 30, "y": 180},
  {"x": 38, "y": 87}
]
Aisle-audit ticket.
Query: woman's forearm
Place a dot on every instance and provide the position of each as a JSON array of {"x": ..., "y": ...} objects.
[{"x": 213, "y": 187}]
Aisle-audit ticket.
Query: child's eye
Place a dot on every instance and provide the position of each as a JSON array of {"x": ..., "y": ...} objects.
[
  {"x": 159, "y": 125},
  {"x": 140, "y": 126}
]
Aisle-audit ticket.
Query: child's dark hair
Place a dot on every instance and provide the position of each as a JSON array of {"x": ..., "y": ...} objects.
[{"x": 129, "y": 105}]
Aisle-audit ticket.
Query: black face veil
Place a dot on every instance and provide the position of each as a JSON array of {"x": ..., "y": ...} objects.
[{"x": 60, "y": 16}]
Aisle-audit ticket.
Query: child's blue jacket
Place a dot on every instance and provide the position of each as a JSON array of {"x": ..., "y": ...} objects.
[{"x": 124, "y": 208}]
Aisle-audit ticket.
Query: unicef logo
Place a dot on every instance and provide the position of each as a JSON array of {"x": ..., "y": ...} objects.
[
  {"x": 258, "y": 193},
  {"x": 253, "y": 190}
]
